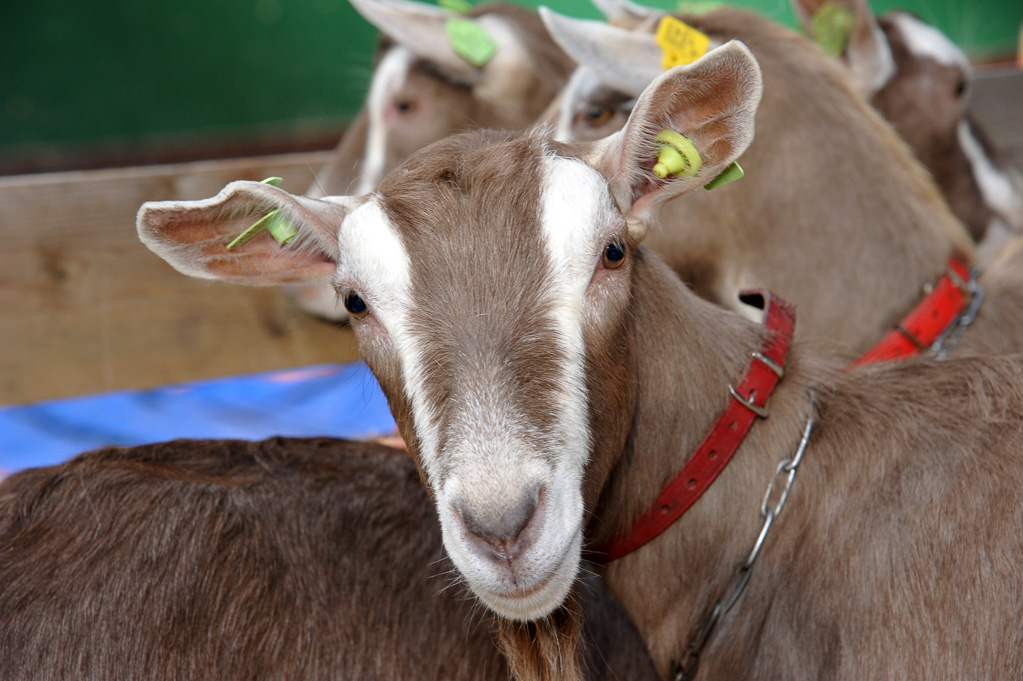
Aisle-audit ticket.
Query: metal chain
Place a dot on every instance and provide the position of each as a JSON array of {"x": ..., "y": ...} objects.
[
  {"x": 951, "y": 335},
  {"x": 786, "y": 472}
]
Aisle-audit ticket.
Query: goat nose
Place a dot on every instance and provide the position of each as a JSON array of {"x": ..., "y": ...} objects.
[{"x": 505, "y": 529}]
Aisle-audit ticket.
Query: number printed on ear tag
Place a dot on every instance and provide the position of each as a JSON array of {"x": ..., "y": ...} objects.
[{"x": 681, "y": 43}]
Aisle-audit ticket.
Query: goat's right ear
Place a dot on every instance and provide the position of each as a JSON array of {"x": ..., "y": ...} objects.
[
  {"x": 194, "y": 236},
  {"x": 710, "y": 103}
]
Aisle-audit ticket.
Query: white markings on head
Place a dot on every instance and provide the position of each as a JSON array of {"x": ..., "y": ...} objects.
[
  {"x": 1000, "y": 192},
  {"x": 375, "y": 263},
  {"x": 926, "y": 41},
  {"x": 576, "y": 213},
  {"x": 389, "y": 76}
]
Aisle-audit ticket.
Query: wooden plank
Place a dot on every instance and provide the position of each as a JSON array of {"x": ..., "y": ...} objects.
[{"x": 87, "y": 308}]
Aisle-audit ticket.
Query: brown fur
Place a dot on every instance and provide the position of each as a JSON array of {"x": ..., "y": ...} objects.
[
  {"x": 897, "y": 477},
  {"x": 283, "y": 559}
]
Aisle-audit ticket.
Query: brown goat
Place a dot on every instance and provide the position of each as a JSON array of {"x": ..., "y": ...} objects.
[
  {"x": 550, "y": 374},
  {"x": 834, "y": 214},
  {"x": 283, "y": 559}
]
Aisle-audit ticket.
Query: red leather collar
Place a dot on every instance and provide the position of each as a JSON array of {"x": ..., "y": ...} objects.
[
  {"x": 716, "y": 450},
  {"x": 928, "y": 320}
]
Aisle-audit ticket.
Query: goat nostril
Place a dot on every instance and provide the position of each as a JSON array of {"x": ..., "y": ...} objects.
[{"x": 504, "y": 528}]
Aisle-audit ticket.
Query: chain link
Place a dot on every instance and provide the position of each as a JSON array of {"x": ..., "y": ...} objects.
[
  {"x": 951, "y": 335},
  {"x": 786, "y": 472}
]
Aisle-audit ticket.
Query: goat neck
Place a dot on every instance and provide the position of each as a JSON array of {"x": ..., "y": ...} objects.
[{"x": 689, "y": 358}]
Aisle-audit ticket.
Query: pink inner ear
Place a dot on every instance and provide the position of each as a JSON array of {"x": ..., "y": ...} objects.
[{"x": 262, "y": 261}]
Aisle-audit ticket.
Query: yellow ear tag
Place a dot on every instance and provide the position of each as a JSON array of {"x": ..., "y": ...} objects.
[
  {"x": 681, "y": 43},
  {"x": 678, "y": 156},
  {"x": 279, "y": 227}
]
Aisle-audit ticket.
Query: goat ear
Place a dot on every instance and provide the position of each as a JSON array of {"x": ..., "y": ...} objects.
[
  {"x": 426, "y": 31},
  {"x": 712, "y": 102},
  {"x": 848, "y": 30},
  {"x": 625, "y": 60},
  {"x": 625, "y": 12},
  {"x": 193, "y": 236}
]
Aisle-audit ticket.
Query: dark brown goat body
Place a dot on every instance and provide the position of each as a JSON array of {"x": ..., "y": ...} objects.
[{"x": 283, "y": 559}]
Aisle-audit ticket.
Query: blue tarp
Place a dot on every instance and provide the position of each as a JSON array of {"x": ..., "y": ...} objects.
[{"x": 339, "y": 400}]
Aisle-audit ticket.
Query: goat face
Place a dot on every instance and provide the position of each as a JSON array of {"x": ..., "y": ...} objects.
[
  {"x": 503, "y": 311},
  {"x": 489, "y": 282}
]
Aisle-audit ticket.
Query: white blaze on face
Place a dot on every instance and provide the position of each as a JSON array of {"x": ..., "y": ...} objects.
[
  {"x": 492, "y": 455},
  {"x": 375, "y": 263},
  {"x": 576, "y": 214},
  {"x": 389, "y": 76}
]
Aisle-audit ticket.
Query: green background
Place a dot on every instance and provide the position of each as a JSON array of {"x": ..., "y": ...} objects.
[{"x": 92, "y": 75}]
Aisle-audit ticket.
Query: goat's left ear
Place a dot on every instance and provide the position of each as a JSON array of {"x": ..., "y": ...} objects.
[
  {"x": 215, "y": 239},
  {"x": 711, "y": 103}
]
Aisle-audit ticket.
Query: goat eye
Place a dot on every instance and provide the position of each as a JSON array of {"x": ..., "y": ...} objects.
[
  {"x": 355, "y": 305},
  {"x": 598, "y": 115},
  {"x": 405, "y": 106},
  {"x": 614, "y": 254},
  {"x": 961, "y": 88}
]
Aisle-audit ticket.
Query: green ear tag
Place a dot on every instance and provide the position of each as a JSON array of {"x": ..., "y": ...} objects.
[
  {"x": 833, "y": 26},
  {"x": 732, "y": 173},
  {"x": 470, "y": 41},
  {"x": 279, "y": 227},
  {"x": 460, "y": 6}
]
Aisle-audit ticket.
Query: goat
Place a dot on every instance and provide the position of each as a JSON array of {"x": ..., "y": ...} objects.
[
  {"x": 915, "y": 77},
  {"x": 283, "y": 559},
  {"x": 549, "y": 373},
  {"x": 828, "y": 183},
  {"x": 919, "y": 81},
  {"x": 422, "y": 90}
]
